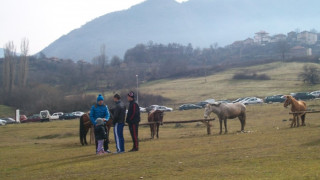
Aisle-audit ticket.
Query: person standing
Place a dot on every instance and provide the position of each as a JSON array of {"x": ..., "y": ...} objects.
[
  {"x": 100, "y": 110},
  {"x": 119, "y": 114},
  {"x": 133, "y": 119},
  {"x": 100, "y": 135}
]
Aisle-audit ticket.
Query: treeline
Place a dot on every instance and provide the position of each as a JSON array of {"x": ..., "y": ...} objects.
[{"x": 34, "y": 83}]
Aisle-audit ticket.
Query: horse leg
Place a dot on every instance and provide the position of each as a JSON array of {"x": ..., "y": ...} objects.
[
  {"x": 225, "y": 126},
  {"x": 241, "y": 121},
  {"x": 298, "y": 119},
  {"x": 303, "y": 118},
  {"x": 220, "y": 121},
  {"x": 158, "y": 130},
  {"x": 85, "y": 136},
  {"x": 293, "y": 120},
  {"x": 152, "y": 131}
]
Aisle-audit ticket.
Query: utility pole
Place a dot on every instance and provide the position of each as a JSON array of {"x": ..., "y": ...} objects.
[{"x": 137, "y": 77}]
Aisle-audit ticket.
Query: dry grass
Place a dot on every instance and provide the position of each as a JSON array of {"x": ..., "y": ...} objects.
[
  {"x": 269, "y": 150},
  {"x": 284, "y": 80}
]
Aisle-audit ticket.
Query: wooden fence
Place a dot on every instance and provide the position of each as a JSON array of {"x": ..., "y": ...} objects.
[
  {"x": 300, "y": 112},
  {"x": 205, "y": 121}
]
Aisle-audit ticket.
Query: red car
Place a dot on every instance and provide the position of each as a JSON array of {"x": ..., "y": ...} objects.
[
  {"x": 23, "y": 118},
  {"x": 34, "y": 118}
]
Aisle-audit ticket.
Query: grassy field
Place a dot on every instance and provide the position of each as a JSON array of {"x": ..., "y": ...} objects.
[
  {"x": 284, "y": 80},
  {"x": 268, "y": 150},
  {"x": 6, "y": 111}
]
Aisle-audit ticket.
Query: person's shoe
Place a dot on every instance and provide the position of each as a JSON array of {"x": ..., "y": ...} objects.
[
  {"x": 108, "y": 151},
  {"x": 134, "y": 149}
]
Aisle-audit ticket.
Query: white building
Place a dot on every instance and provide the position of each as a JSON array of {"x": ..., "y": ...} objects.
[{"x": 306, "y": 37}]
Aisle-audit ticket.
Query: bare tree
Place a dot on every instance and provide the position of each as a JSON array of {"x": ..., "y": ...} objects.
[
  {"x": 310, "y": 75},
  {"x": 23, "y": 65},
  {"x": 9, "y": 66},
  {"x": 283, "y": 48}
]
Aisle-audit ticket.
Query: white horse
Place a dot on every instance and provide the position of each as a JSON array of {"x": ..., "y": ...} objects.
[{"x": 226, "y": 111}]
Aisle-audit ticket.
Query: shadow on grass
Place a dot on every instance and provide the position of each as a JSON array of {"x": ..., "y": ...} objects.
[
  {"x": 312, "y": 143},
  {"x": 52, "y": 136}
]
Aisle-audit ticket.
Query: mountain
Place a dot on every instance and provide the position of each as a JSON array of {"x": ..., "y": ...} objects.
[{"x": 200, "y": 22}]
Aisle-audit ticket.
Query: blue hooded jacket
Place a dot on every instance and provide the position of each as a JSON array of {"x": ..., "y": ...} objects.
[{"x": 98, "y": 111}]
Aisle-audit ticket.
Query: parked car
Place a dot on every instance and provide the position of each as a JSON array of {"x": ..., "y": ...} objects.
[
  {"x": 211, "y": 101},
  {"x": 252, "y": 100},
  {"x": 189, "y": 106},
  {"x": 45, "y": 115},
  {"x": 33, "y": 118},
  {"x": 9, "y": 120},
  {"x": 202, "y": 103},
  {"x": 275, "y": 98},
  {"x": 224, "y": 101},
  {"x": 142, "y": 109},
  {"x": 152, "y": 107},
  {"x": 56, "y": 115},
  {"x": 238, "y": 100},
  {"x": 23, "y": 117},
  {"x": 302, "y": 96},
  {"x": 78, "y": 113},
  {"x": 2, "y": 122},
  {"x": 316, "y": 94},
  {"x": 66, "y": 116},
  {"x": 164, "y": 108}
]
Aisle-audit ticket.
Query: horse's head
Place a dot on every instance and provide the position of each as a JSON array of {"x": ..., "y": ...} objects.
[
  {"x": 209, "y": 108},
  {"x": 288, "y": 101}
]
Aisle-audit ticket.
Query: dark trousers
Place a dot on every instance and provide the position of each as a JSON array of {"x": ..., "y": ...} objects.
[
  {"x": 134, "y": 135},
  {"x": 106, "y": 141},
  {"x": 118, "y": 136}
]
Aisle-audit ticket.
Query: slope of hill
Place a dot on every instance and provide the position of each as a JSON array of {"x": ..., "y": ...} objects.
[
  {"x": 284, "y": 80},
  {"x": 200, "y": 22}
]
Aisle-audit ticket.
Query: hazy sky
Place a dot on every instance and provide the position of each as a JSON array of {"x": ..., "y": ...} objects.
[{"x": 43, "y": 21}]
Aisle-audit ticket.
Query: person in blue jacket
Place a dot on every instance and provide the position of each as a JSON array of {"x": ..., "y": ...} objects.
[{"x": 100, "y": 110}]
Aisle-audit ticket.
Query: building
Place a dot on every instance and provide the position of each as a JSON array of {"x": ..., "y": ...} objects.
[
  {"x": 299, "y": 51},
  {"x": 278, "y": 37},
  {"x": 292, "y": 36},
  {"x": 262, "y": 38},
  {"x": 306, "y": 37}
]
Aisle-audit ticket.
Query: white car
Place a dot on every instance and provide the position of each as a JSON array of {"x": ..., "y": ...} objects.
[
  {"x": 78, "y": 113},
  {"x": 252, "y": 100},
  {"x": 142, "y": 109},
  {"x": 44, "y": 115},
  {"x": 56, "y": 115},
  {"x": 2, "y": 122},
  {"x": 164, "y": 108},
  {"x": 315, "y": 94}
]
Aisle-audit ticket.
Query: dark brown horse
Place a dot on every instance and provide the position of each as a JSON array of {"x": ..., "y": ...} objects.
[
  {"x": 85, "y": 125},
  {"x": 155, "y": 116}
]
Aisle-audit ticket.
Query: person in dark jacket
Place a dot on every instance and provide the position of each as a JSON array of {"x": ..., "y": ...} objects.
[
  {"x": 133, "y": 119},
  {"x": 100, "y": 110},
  {"x": 100, "y": 135},
  {"x": 119, "y": 114}
]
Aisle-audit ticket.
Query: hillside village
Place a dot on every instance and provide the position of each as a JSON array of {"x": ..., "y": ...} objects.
[{"x": 296, "y": 44}]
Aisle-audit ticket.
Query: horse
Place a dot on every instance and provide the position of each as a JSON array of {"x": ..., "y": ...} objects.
[
  {"x": 155, "y": 116},
  {"x": 226, "y": 111},
  {"x": 85, "y": 125},
  {"x": 296, "y": 106}
]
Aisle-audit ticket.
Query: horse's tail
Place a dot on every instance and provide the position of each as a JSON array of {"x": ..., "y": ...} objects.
[{"x": 82, "y": 130}]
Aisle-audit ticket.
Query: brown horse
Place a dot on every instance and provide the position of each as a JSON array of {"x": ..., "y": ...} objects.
[
  {"x": 155, "y": 116},
  {"x": 85, "y": 125},
  {"x": 296, "y": 106}
]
